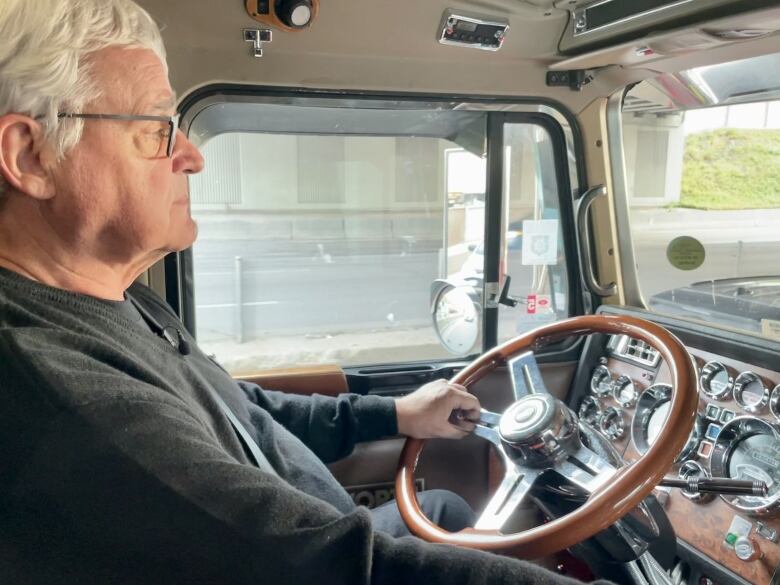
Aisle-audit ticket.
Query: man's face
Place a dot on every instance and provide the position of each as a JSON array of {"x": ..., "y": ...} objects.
[{"x": 112, "y": 197}]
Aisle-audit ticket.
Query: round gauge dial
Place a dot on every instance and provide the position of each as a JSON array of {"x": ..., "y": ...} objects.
[
  {"x": 612, "y": 424},
  {"x": 748, "y": 448},
  {"x": 774, "y": 402},
  {"x": 750, "y": 392},
  {"x": 715, "y": 380},
  {"x": 601, "y": 381},
  {"x": 589, "y": 410},
  {"x": 651, "y": 411},
  {"x": 625, "y": 392},
  {"x": 693, "y": 470}
]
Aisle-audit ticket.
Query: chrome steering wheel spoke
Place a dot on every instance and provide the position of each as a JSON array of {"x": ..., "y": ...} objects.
[
  {"x": 487, "y": 427},
  {"x": 586, "y": 469},
  {"x": 509, "y": 496},
  {"x": 526, "y": 375}
]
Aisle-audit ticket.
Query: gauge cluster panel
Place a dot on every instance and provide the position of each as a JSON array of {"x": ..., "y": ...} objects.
[{"x": 736, "y": 435}]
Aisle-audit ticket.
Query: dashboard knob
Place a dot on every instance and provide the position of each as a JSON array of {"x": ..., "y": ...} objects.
[
  {"x": 294, "y": 13},
  {"x": 747, "y": 549}
]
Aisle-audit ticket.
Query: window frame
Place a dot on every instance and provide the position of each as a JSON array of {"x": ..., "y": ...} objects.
[{"x": 559, "y": 123}]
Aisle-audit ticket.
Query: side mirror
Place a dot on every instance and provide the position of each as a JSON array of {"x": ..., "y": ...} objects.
[{"x": 456, "y": 316}]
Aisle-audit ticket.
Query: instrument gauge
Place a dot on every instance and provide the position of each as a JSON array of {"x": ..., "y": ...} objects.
[
  {"x": 748, "y": 448},
  {"x": 715, "y": 381},
  {"x": 601, "y": 381},
  {"x": 774, "y": 402},
  {"x": 624, "y": 391},
  {"x": 750, "y": 392},
  {"x": 651, "y": 411},
  {"x": 612, "y": 424},
  {"x": 589, "y": 411}
]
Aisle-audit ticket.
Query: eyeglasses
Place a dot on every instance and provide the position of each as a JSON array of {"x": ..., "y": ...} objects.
[{"x": 152, "y": 144}]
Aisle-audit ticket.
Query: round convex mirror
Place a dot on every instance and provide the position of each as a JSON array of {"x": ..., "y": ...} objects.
[{"x": 456, "y": 320}]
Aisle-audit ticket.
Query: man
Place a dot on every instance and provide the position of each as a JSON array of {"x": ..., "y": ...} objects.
[{"x": 126, "y": 455}]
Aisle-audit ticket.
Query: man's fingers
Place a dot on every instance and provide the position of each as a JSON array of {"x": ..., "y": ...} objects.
[
  {"x": 458, "y": 431},
  {"x": 467, "y": 402}
]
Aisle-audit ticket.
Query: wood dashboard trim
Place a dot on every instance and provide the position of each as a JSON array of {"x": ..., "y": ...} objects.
[{"x": 329, "y": 380}]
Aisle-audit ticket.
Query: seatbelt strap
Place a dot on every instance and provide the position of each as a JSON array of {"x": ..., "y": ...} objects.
[{"x": 259, "y": 457}]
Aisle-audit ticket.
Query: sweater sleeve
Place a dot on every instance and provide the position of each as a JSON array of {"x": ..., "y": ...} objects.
[
  {"x": 137, "y": 488},
  {"x": 329, "y": 426}
]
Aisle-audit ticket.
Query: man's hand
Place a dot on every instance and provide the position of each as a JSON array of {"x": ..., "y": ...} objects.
[{"x": 425, "y": 413}]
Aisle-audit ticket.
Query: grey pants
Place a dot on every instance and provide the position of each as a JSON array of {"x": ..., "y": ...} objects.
[{"x": 443, "y": 507}]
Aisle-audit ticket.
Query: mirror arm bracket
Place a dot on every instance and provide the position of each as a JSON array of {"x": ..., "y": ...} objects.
[{"x": 499, "y": 295}]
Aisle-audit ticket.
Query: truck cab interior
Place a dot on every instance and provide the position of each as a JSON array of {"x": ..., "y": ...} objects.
[{"x": 569, "y": 206}]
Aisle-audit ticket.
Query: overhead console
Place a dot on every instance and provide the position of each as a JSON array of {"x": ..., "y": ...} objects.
[
  {"x": 608, "y": 22},
  {"x": 625, "y": 395}
]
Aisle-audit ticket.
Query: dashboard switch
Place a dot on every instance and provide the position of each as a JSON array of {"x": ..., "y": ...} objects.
[
  {"x": 705, "y": 449},
  {"x": 713, "y": 431},
  {"x": 713, "y": 412},
  {"x": 766, "y": 532},
  {"x": 726, "y": 415}
]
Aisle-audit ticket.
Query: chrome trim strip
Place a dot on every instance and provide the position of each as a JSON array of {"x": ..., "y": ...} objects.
[{"x": 628, "y": 269}]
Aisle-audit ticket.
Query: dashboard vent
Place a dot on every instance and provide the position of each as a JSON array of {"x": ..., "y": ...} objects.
[{"x": 634, "y": 350}]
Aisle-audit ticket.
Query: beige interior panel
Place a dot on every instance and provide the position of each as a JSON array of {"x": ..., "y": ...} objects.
[
  {"x": 376, "y": 46},
  {"x": 593, "y": 121}
]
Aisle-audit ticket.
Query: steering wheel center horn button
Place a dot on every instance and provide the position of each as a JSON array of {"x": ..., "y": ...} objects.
[
  {"x": 527, "y": 418},
  {"x": 537, "y": 428}
]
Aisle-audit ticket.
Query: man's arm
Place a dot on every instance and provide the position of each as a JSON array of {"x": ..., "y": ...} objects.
[{"x": 331, "y": 427}]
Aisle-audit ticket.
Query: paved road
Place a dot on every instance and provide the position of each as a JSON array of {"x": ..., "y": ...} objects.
[{"x": 311, "y": 293}]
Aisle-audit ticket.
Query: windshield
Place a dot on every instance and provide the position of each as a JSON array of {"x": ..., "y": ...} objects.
[{"x": 703, "y": 189}]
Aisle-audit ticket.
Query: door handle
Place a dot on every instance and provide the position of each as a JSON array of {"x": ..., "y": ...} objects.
[{"x": 583, "y": 235}]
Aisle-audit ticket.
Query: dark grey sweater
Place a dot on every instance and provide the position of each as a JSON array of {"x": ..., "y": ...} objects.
[{"x": 118, "y": 467}]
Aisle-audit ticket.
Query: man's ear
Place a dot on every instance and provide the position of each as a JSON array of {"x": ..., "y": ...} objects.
[{"x": 23, "y": 153}]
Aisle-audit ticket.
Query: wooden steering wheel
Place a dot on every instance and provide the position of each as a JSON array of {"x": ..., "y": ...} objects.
[{"x": 538, "y": 434}]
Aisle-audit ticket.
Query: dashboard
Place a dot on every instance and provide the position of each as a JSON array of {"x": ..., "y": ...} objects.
[{"x": 736, "y": 435}]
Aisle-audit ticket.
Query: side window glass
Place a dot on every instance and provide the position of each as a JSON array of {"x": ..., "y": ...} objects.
[
  {"x": 534, "y": 253},
  {"x": 329, "y": 231},
  {"x": 322, "y": 245}
]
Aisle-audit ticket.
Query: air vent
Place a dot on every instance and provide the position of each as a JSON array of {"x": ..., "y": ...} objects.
[
  {"x": 634, "y": 350},
  {"x": 634, "y": 104}
]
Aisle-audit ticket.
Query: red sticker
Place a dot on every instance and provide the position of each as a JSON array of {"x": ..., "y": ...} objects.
[{"x": 531, "y": 304}]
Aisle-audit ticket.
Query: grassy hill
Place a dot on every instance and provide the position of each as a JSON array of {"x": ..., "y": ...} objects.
[{"x": 732, "y": 169}]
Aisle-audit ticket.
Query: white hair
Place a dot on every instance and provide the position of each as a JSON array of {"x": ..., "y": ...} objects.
[{"x": 44, "y": 45}]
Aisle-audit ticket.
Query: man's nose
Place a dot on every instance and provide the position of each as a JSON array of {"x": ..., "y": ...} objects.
[{"x": 186, "y": 157}]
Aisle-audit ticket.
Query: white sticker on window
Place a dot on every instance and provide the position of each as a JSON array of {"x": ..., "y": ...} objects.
[{"x": 540, "y": 242}]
